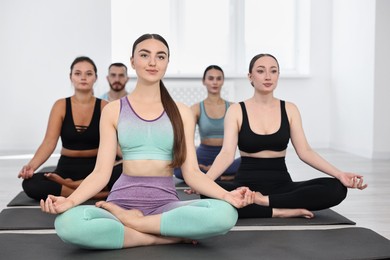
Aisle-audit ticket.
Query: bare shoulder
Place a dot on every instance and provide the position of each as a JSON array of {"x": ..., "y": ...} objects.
[
  {"x": 195, "y": 108},
  {"x": 291, "y": 107},
  {"x": 111, "y": 111},
  {"x": 60, "y": 102},
  {"x": 103, "y": 103},
  {"x": 292, "y": 112},
  {"x": 234, "y": 108},
  {"x": 196, "y": 105},
  {"x": 112, "y": 107},
  {"x": 185, "y": 111},
  {"x": 183, "y": 108},
  {"x": 59, "y": 105}
]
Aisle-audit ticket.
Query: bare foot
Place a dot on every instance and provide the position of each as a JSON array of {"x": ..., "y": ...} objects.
[
  {"x": 127, "y": 217},
  {"x": 292, "y": 213},
  {"x": 177, "y": 240}
]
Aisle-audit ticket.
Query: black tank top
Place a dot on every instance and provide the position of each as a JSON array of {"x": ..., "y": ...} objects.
[
  {"x": 80, "y": 140},
  {"x": 250, "y": 142}
]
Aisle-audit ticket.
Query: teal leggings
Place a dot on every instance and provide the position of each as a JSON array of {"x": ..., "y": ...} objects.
[{"x": 96, "y": 228}]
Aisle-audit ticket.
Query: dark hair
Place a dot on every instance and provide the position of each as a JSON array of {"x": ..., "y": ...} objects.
[
  {"x": 179, "y": 145},
  {"x": 215, "y": 67},
  {"x": 82, "y": 59},
  {"x": 258, "y": 56},
  {"x": 118, "y": 64}
]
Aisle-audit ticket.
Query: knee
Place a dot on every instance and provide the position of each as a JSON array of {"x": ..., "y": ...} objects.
[
  {"x": 90, "y": 227},
  {"x": 225, "y": 216},
  {"x": 32, "y": 190},
  {"x": 70, "y": 225},
  {"x": 339, "y": 191}
]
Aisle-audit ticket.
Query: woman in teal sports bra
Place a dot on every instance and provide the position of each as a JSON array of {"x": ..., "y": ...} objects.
[
  {"x": 155, "y": 135},
  {"x": 209, "y": 115}
]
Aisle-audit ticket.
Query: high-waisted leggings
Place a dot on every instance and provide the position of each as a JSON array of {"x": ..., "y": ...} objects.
[
  {"x": 270, "y": 177},
  {"x": 96, "y": 228},
  {"x": 76, "y": 168},
  {"x": 206, "y": 155}
]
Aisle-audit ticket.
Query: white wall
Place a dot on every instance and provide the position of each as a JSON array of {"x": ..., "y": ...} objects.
[
  {"x": 359, "y": 84},
  {"x": 353, "y": 75},
  {"x": 381, "y": 132},
  {"x": 41, "y": 38}
]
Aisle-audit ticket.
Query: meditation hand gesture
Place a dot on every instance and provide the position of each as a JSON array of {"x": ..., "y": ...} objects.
[
  {"x": 56, "y": 205},
  {"x": 351, "y": 180},
  {"x": 26, "y": 172},
  {"x": 240, "y": 197}
]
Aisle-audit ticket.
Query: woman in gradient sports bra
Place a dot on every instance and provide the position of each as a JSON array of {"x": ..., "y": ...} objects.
[
  {"x": 210, "y": 115},
  {"x": 261, "y": 127},
  {"x": 155, "y": 135}
]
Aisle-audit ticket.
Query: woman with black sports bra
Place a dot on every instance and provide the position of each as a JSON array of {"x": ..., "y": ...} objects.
[
  {"x": 76, "y": 120},
  {"x": 261, "y": 127}
]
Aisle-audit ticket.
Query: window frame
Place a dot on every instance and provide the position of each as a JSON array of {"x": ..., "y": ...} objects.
[{"x": 236, "y": 42}]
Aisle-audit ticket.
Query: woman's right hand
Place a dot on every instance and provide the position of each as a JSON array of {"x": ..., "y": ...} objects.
[
  {"x": 26, "y": 172},
  {"x": 56, "y": 205}
]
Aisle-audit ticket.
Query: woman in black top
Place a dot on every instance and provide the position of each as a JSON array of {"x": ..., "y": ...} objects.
[
  {"x": 76, "y": 120},
  {"x": 261, "y": 127}
]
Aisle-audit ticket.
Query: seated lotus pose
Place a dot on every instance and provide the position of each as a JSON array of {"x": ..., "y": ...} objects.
[
  {"x": 209, "y": 115},
  {"x": 76, "y": 120},
  {"x": 155, "y": 135},
  {"x": 261, "y": 127}
]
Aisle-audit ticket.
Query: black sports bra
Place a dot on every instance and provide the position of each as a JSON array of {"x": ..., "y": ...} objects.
[
  {"x": 73, "y": 139},
  {"x": 250, "y": 142}
]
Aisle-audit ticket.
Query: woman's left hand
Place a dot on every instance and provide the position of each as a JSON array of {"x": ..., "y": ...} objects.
[
  {"x": 240, "y": 197},
  {"x": 354, "y": 181}
]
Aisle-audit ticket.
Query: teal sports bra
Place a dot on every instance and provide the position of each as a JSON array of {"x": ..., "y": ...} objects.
[
  {"x": 210, "y": 127},
  {"x": 142, "y": 139}
]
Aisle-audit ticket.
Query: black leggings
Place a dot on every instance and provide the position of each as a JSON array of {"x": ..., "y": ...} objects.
[
  {"x": 270, "y": 177},
  {"x": 39, "y": 187}
]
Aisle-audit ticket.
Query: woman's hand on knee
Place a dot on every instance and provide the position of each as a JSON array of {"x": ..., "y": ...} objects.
[
  {"x": 55, "y": 205},
  {"x": 26, "y": 172},
  {"x": 354, "y": 181}
]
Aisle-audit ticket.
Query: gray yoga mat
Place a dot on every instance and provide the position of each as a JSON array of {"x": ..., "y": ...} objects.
[
  {"x": 322, "y": 217},
  {"x": 25, "y": 219},
  {"x": 34, "y": 218},
  {"x": 345, "y": 243},
  {"x": 21, "y": 199}
]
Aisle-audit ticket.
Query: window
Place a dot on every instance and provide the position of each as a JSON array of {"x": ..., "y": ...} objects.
[{"x": 223, "y": 32}]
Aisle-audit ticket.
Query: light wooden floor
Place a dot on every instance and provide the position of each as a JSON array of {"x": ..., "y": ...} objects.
[{"x": 369, "y": 208}]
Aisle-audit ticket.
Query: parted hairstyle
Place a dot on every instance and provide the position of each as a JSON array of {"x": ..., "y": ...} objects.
[{"x": 179, "y": 145}]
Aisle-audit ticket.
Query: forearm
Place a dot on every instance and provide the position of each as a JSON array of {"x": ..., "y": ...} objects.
[
  {"x": 316, "y": 161},
  {"x": 220, "y": 164},
  {"x": 89, "y": 187},
  {"x": 41, "y": 155},
  {"x": 204, "y": 185}
]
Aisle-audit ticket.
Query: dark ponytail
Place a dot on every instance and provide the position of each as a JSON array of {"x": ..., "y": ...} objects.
[{"x": 179, "y": 144}]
